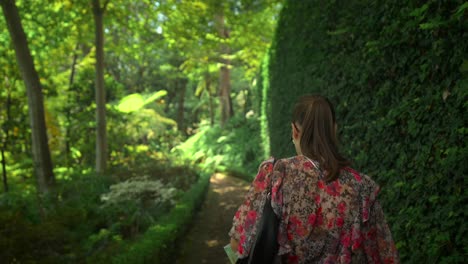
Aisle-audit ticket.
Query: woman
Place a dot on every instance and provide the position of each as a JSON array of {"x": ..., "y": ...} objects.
[{"x": 328, "y": 212}]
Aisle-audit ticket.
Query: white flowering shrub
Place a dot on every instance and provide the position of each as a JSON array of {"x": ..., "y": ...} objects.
[
  {"x": 143, "y": 190},
  {"x": 133, "y": 205}
]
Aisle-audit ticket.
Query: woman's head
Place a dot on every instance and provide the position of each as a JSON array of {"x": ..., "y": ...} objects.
[{"x": 314, "y": 133}]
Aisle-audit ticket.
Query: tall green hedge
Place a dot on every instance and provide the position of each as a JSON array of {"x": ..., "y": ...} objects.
[
  {"x": 397, "y": 73},
  {"x": 263, "y": 86}
]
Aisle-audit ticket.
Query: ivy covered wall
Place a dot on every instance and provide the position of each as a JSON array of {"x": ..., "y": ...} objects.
[{"x": 397, "y": 74}]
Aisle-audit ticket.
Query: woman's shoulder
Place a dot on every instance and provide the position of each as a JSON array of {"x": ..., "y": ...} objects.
[
  {"x": 365, "y": 185},
  {"x": 366, "y": 188},
  {"x": 294, "y": 159},
  {"x": 274, "y": 161},
  {"x": 358, "y": 176},
  {"x": 267, "y": 163},
  {"x": 298, "y": 162},
  {"x": 278, "y": 163}
]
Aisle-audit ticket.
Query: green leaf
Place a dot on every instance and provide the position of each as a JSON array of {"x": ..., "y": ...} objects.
[
  {"x": 460, "y": 10},
  {"x": 420, "y": 12},
  {"x": 464, "y": 66},
  {"x": 134, "y": 102},
  {"x": 131, "y": 103},
  {"x": 156, "y": 96}
]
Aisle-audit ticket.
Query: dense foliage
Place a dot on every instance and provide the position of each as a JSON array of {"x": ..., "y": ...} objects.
[
  {"x": 40, "y": 231},
  {"x": 158, "y": 243},
  {"x": 94, "y": 215},
  {"x": 397, "y": 72},
  {"x": 236, "y": 148},
  {"x": 150, "y": 47},
  {"x": 163, "y": 61}
]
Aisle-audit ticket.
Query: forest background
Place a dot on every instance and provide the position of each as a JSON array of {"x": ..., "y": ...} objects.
[{"x": 113, "y": 124}]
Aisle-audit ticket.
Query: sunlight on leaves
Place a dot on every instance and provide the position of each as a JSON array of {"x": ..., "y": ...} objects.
[
  {"x": 131, "y": 103},
  {"x": 136, "y": 101}
]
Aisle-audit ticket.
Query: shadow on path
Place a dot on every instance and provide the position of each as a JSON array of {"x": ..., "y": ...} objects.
[{"x": 209, "y": 234}]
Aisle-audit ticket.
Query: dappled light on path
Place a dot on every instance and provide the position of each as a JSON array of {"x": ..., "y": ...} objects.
[
  {"x": 209, "y": 234},
  {"x": 212, "y": 243},
  {"x": 236, "y": 189}
]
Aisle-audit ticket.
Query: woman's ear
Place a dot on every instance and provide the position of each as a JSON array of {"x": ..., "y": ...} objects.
[
  {"x": 294, "y": 131},
  {"x": 296, "y": 137}
]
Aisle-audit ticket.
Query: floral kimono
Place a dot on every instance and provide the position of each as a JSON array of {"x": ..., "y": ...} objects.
[{"x": 335, "y": 222}]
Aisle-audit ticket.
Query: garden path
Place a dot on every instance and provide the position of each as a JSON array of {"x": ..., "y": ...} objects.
[{"x": 209, "y": 234}]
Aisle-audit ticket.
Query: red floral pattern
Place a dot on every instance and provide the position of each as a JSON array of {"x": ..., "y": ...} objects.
[{"x": 335, "y": 222}]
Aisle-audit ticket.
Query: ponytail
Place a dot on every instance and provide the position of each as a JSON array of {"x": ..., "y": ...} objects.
[{"x": 316, "y": 117}]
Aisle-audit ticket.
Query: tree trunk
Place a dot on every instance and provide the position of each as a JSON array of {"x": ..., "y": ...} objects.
[
  {"x": 6, "y": 129},
  {"x": 181, "y": 87},
  {"x": 5, "y": 180},
  {"x": 210, "y": 96},
  {"x": 69, "y": 103},
  {"x": 101, "y": 133},
  {"x": 40, "y": 147},
  {"x": 224, "y": 73}
]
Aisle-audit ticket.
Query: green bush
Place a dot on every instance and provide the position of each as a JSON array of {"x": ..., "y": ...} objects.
[
  {"x": 235, "y": 148},
  {"x": 157, "y": 244},
  {"x": 75, "y": 225},
  {"x": 41, "y": 229},
  {"x": 397, "y": 72},
  {"x": 264, "y": 95},
  {"x": 136, "y": 203}
]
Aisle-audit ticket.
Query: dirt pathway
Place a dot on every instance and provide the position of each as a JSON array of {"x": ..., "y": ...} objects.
[{"x": 205, "y": 241}]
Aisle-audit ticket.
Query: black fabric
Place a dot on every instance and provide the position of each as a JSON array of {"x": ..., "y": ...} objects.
[{"x": 265, "y": 247}]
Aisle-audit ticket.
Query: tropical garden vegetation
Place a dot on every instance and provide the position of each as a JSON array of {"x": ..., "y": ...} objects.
[{"x": 115, "y": 113}]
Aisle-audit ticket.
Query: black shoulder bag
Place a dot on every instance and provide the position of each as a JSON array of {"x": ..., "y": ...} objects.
[{"x": 265, "y": 247}]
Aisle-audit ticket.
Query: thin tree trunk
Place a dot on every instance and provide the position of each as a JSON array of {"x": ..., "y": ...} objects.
[
  {"x": 68, "y": 110},
  {"x": 181, "y": 87},
  {"x": 224, "y": 73},
  {"x": 210, "y": 96},
  {"x": 211, "y": 110},
  {"x": 6, "y": 129},
  {"x": 171, "y": 96},
  {"x": 225, "y": 94},
  {"x": 40, "y": 147},
  {"x": 5, "y": 180},
  {"x": 246, "y": 101},
  {"x": 101, "y": 133}
]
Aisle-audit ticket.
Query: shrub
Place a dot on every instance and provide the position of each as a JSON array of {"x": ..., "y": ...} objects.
[
  {"x": 136, "y": 203},
  {"x": 236, "y": 147},
  {"x": 142, "y": 190},
  {"x": 157, "y": 244},
  {"x": 42, "y": 229}
]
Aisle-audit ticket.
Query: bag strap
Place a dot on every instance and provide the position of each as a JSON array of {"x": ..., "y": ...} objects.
[
  {"x": 270, "y": 184},
  {"x": 260, "y": 224}
]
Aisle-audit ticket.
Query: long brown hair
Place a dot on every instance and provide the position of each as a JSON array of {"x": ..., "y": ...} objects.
[{"x": 316, "y": 117}]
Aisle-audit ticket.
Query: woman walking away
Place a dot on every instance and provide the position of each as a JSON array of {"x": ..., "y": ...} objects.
[{"x": 328, "y": 212}]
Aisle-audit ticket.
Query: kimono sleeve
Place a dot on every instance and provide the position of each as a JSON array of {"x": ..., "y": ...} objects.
[
  {"x": 246, "y": 217},
  {"x": 379, "y": 246},
  {"x": 378, "y": 242},
  {"x": 279, "y": 206}
]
